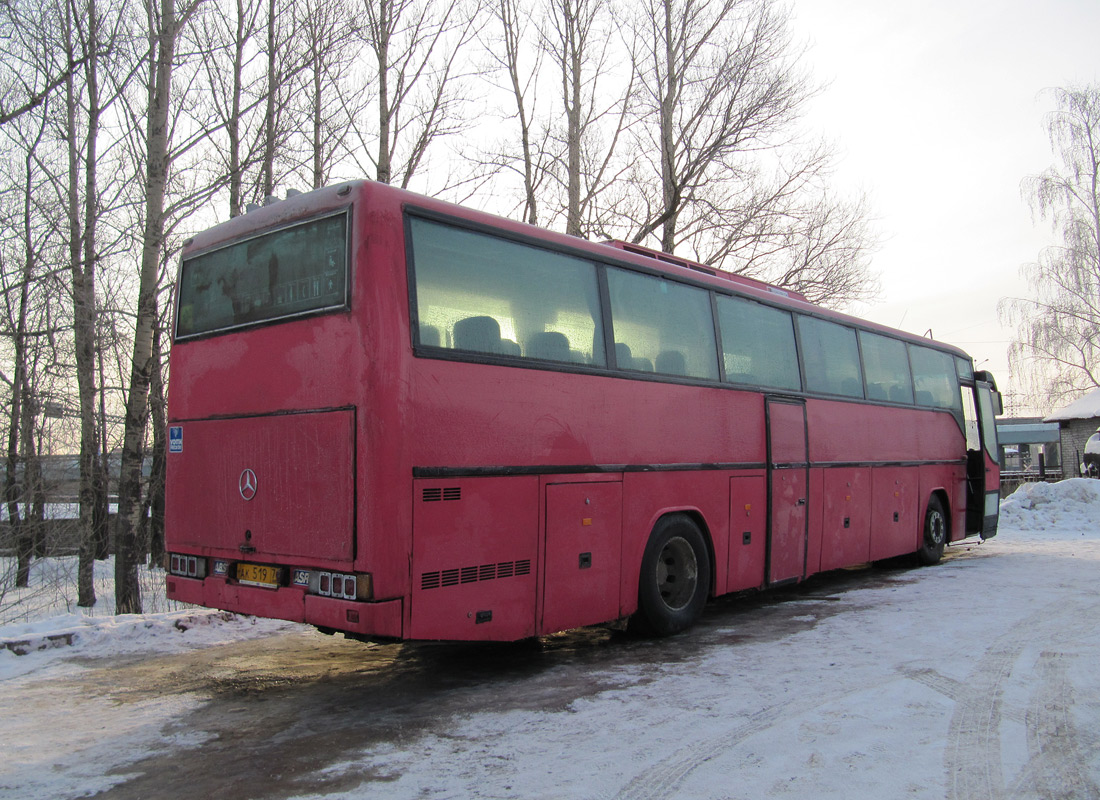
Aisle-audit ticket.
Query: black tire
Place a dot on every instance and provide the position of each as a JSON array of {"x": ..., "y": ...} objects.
[
  {"x": 675, "y": 578},
  {"x": 935, "y": 533}
]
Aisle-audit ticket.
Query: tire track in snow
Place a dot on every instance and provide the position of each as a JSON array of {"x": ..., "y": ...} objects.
[
  {"x": 1057, "y": 766},
  {"x": 661, "y": 780},
  {"x": 972, "y": 757}
]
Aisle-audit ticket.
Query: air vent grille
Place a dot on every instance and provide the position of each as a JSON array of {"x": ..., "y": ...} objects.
[
  {"x": 485, "y": 572},
  {"x": 436, "y": 494}
]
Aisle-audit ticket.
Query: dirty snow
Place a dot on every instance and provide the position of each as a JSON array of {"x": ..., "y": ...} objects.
[{"x": 974, "y": 678}]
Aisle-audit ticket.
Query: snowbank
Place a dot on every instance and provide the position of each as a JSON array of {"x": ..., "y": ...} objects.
[
  {"x": 1069, "y": 506},
  {"x": 25, "y": 647}
]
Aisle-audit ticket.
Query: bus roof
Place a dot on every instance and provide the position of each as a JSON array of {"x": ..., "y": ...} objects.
[
  {"x": 667, "y": 258},
  {"x": 299, "y": 206}
]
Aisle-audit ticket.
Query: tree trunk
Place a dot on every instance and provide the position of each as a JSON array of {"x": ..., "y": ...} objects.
[
  {"x": 157, "y": 407},
  {"x": 100, "y": 535},
  {"x": 13, "y": 492},
  {"x": 508, "y": 14},
  {"x": 318, "y": 118},
  {"x": 268, "y": 177},
  {"x": 128, "y": 555},
  {"x": 668, "y": 145},
  {"x": 233, "y": 126},
  {"x": 84, "y": 314},
  {"x": 383, "y": 47},
  {"x": 572, "y": 80},
  {"x": 25, "y": 533}
]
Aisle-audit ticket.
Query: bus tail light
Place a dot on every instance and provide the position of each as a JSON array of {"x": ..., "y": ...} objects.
[
  {"x": 342, "y": 585},
  {"x": 186, "y": 566}
]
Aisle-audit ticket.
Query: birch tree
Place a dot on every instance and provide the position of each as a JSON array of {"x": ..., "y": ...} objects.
[
  {"x": 1058, "y": 326},
  {"x": 580, "y": 39},
  {"x": 83, "y": 110},
  {"x": 328, "y": 33},
  {"x": 509, "y": 43},
  {"x": 224, "y": 36},
  {"x": 719, "y": 86},
  {"x": 418, "y": 47},
  {"x": 722, "y": 172},
  {"x": 165, "y": 23}
]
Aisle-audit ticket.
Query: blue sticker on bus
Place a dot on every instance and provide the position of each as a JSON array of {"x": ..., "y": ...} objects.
[{"x": 175, "y": 439}]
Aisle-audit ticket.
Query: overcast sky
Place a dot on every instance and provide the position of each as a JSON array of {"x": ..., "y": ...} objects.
[{"x": 937, "y": 112}]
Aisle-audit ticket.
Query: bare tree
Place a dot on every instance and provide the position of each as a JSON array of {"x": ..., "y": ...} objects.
[
  {"x": 719, "y": 86},
  {"x": 82, "y": 260},
  {"x": 507, "y": 43},
  {"x": 224, "y": 37},
  {"x": 1058, "y": 327},
  {"x": 328, "y": 33},
  {"x": 720, "y": 170},
  {"x": 418, "y": 46},
  {"x": 165, "y": 24},
  {"x": 23, "y": 402},
  {"x": 580, "y": 39},
  {"x": 23, "y": 90}
]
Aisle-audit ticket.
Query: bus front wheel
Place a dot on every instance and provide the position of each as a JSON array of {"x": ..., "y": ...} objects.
[
  {"x": 675, "y": 578},
  {"x": 935, "y": 533}
]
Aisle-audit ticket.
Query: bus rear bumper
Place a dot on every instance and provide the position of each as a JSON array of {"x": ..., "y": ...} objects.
[{"x": 382, "y": 619}]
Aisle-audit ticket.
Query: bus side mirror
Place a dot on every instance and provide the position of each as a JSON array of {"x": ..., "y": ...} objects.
[{"x": 998, "y": 403}]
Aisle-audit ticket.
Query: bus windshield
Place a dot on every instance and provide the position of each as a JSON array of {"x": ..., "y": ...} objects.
[{"x": 285, "y": 273}]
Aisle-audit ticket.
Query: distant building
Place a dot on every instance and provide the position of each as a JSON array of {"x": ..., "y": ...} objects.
[
  {"x": 1029, "y": 445},
  {"x": 1076, "y": 423}
]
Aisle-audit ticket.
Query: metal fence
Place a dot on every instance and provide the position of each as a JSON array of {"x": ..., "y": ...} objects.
[{"x": 1013, "y": 480}]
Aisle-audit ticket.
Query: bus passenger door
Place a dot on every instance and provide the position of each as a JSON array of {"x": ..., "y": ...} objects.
[
  {"x": 989, "y": 498},
  {"x": 981, "y": 404},
  {"x": 788, "y": 485}
]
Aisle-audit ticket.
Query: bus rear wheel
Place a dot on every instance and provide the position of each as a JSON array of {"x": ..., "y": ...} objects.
[
  {"x": 935, "y": 533},
  {"x": 675, "y": 578}
]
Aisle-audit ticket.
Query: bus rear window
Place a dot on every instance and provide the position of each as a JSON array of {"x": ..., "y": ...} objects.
[{"x": 286, "y": 273}]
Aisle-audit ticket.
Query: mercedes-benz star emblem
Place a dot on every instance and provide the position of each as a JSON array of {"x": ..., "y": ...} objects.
[{"x": 247, "y": 484}]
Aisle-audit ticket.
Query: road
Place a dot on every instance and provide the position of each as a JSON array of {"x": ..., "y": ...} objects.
[{"x": 971, "y": 679}]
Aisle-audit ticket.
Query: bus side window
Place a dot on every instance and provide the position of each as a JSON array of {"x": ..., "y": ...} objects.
[
  {"x": 886, "y": 368},
  {"x": 831, "y": 357},
  {"x": 934, "y": 378},
  {"x": 758, "y": 344},
  {"x": 504, "y": 298},
  {"x": 663, "y": 324}
]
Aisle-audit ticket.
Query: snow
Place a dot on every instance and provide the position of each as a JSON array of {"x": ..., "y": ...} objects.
[
  {"x": 1086, "y": 407},
  {"x": 1065, "y": 507},
  {"x": 971, "y": 678}
]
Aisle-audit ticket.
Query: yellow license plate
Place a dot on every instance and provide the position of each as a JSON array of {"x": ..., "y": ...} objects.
[{"x": 257, "y": 575}]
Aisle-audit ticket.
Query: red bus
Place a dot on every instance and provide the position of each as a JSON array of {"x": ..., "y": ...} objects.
[{"x": 402, "y": 419}]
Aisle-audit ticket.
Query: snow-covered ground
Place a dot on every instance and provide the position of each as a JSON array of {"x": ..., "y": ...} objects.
[{"x": 974, "y": 678}]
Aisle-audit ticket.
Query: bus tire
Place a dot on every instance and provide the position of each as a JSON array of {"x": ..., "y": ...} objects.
[
  {"x": 675, "y": 578},
  {"x": 935, "y": 533}
]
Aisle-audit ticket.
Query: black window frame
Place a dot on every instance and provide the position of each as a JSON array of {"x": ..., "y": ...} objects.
[
  {"x": 602, "y": 262},
  {"x": 345, "y": 306}
]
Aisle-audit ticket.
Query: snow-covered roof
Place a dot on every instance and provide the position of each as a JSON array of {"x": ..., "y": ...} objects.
[{"x": 1085, "y": 408}]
